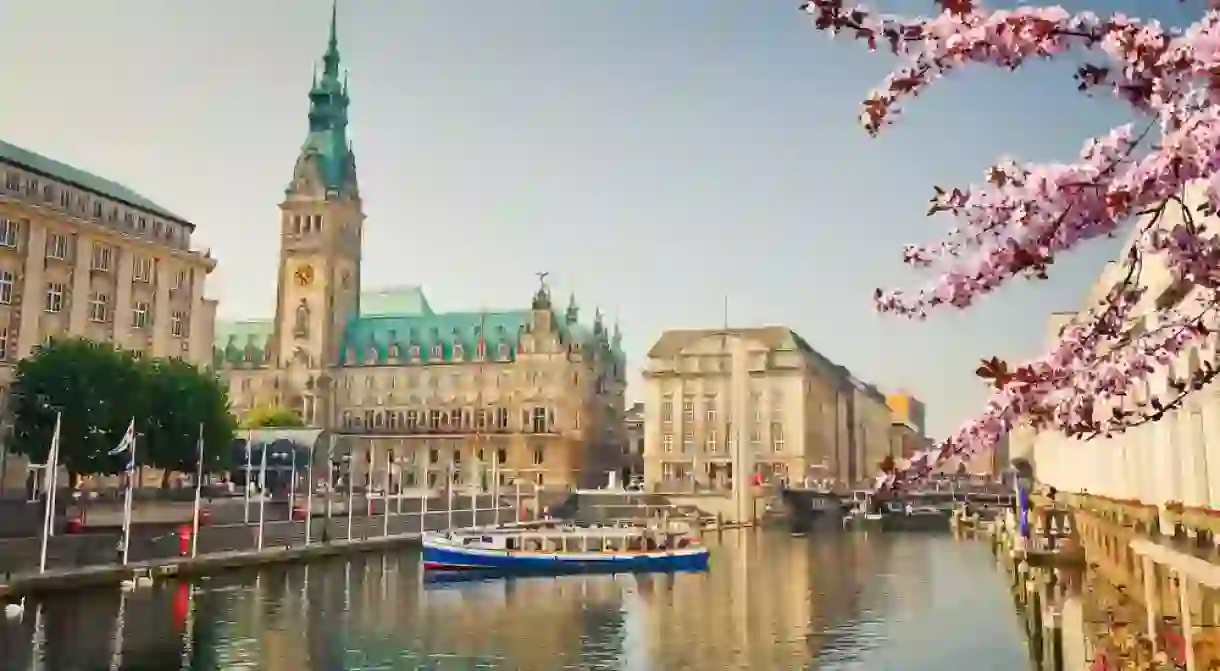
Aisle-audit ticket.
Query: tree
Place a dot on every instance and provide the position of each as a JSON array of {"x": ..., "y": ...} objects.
[
  {"x": 98, "y": 391},
  {"x": 185, "y": 401},
  {"x": 95, "y": 389},
  {"x": 271, "y": 417},
  {"x": 1094, "y": 381}
]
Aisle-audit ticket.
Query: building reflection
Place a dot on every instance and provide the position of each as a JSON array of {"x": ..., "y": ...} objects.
[
  {"x": 766, "y": 604},
  {"x": 769, "y": 602}
]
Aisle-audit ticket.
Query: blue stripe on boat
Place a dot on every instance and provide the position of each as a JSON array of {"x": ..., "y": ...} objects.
[{"x": 438, "y": 556}]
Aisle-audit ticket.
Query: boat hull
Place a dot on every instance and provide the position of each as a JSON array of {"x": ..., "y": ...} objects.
[{"x": 438, "y": 557}]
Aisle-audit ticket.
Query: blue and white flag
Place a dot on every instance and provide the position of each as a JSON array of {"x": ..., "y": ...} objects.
[{"x": 128, "y": 445}]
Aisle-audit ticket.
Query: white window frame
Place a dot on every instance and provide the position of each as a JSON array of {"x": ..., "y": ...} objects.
[
  {"x": 57, "y": 246},
  {"x": 711, "y": 445},
  {"x": 140, "y": 317},
  {"x": 99, "y": 308},
  {"x": 176, "y": 323},
  {"x": 53, "y": 300},
  {"x": 4, "y": 344},
  {"x": 8, "y": 283},
  {"x": 143, "y": 271},
  {"x": 10, "y": 231},
  {"x": 102, "y": 257},
  {"x": 667, "y": 443}
]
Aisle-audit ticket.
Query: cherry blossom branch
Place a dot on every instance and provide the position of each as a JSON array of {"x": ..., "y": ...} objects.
[{"x": 1024, "y": 215}]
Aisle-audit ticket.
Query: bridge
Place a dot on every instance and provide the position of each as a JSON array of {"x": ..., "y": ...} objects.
[{"x": 806, "y": 508}]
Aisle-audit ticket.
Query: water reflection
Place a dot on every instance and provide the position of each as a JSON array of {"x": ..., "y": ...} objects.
[{"x": 770, "y": 602}]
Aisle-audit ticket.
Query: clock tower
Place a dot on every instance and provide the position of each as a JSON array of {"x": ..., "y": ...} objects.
[{"x": 322, "y": 223}]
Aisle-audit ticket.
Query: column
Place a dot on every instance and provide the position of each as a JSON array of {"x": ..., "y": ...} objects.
[
  {"x": 32, "y": 289},
  {"x": 200, "y": 344},
  {"x": 78, "y": 306},
  {"x": 161, "y": 309},
  {"x": 1165, "y": 467},
  {"x": 1146, "y": 460},
  {"x": 122, "y": 298},
  {"x": 1194, "y": 466},
  {"x": 1210, "y": 426},
  {"x": 1185, "y": 586}
]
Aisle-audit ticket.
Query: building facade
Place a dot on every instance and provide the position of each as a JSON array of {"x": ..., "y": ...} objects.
[
  {"x": 906, "y": 409},
  {"x": 82, "y": 256},
  {"x": 439, "y": 394},
  {"x": 633, "y": 422},
  {"x": 796, "y": 414},
  {"x": 1174, "y": 461}
]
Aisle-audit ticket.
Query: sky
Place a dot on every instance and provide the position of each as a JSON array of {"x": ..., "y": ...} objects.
[{"x": 657, "y": 158}]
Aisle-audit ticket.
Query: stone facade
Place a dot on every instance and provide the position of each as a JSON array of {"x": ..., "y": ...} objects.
[
  {"x": 441, "y": 394},
  {"x": 800, "y": 415},
  {"x": 82, "y": 256},
  {"x": 1170, "y": 463}
]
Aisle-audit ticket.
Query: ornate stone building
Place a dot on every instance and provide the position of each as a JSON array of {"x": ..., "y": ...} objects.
[
  {"x": 83, "y": 256},
  {"x": 440, "y": 392}
]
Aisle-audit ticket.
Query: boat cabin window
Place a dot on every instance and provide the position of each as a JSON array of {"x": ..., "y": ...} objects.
[
  {"x": 486, "y": 539},
  {"x": 510, "y": 543}
]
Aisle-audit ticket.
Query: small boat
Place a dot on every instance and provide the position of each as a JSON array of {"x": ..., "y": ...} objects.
[{"x": 555, "y": 547}]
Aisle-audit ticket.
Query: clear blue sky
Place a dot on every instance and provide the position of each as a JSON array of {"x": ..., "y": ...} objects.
[{"x": 653, "y": 155}]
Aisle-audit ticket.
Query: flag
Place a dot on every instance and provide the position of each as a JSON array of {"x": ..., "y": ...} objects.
[{"x": 127, "y": 444}]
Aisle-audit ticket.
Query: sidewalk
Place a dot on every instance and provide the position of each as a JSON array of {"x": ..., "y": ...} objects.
[{"x": 205, "y": 564}]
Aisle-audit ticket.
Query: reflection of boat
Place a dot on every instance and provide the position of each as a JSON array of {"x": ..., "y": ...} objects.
[{"x": 559, "y": 548}]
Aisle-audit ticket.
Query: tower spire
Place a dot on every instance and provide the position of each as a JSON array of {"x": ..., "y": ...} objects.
[{"x": 331, "y": 59}]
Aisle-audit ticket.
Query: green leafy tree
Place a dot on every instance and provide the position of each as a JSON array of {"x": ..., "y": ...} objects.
[
  {"x": 182, "y": 401},
  {"x": 94, "y": 388},
  {"x": 271, "y": 417}
]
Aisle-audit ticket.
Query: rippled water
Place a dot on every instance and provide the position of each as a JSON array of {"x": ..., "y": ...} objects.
[{"x": 834, "y": 602}]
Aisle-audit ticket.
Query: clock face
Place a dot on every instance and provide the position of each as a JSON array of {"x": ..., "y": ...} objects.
[{"x": 304, "y": 275}]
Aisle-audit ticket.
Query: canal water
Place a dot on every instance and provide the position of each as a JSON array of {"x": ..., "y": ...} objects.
[{"x": 908, "y": 602}]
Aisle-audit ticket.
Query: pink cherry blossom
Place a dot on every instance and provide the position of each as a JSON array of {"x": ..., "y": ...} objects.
[{"x": 1022, "y": 216}]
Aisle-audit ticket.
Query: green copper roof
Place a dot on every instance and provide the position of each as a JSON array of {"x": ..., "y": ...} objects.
[
  {"x": 328, "y": 103},
  {"x": 247, "y": 341},
  {"x": 408, "y": 300},
  {"x": 63, "y": 172},
  {"x": 394, "y": 321}
]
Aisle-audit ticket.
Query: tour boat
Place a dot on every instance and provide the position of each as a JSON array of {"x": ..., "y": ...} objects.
[{"x": 560, "y": 548}]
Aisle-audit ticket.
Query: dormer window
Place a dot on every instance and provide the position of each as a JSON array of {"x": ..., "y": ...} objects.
[
  {"x": 481, "y": 349},
  {"x": 395, "y": 351},
  {"x": 502, "y": 351},
  {"x": 372, "y": 355},
  {"x": 437, "y": 352},
  {"x": 458, "y": 351},
  {"x": 414, "y": 352},
  {"x": 351, "y": 360}
]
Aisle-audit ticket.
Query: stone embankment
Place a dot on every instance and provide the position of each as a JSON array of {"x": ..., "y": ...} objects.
[{"x": 91, "y": 558}]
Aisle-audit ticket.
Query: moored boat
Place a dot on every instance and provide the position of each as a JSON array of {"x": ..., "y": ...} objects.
[{"x": 560, "y": 548}]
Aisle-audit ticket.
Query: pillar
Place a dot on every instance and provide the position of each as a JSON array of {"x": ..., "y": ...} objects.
[
  {"x": 1185, "y": 586},
  {"x": 1148, "y": 568},
  {"x": 1210, "y": 428},
  {"x": 1194, "y": 466},
  {"x": 1165, "y": 469}
]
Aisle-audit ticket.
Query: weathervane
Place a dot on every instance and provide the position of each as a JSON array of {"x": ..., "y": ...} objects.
[{"x": 542, "y": 278}]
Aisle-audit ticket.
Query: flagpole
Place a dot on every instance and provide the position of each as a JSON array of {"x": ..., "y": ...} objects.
[
  {"x": 495, "y": 486},
  {"x": 449, "y": 497},
  {"x": 131, "y": 485},
  {"x": 330, "y": 476},
  {"x": 351, "y": 491},
  {"x": 198, "y": 493},
  {"x": 48, "y": 520},
  {"x": 53, "y": 479},
  {"x": 309, "y": 495},
  {"x": 292, "y": 482},
  {"x": 262, "y": 494},
  {"x": 389, "y": 464},
  {"x": 246, "y": 484}
]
